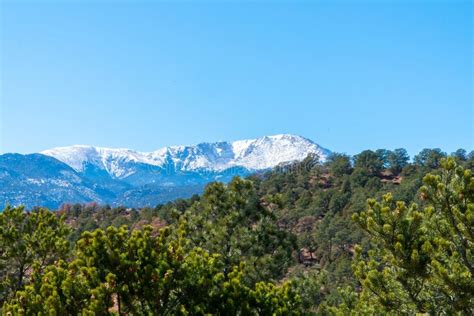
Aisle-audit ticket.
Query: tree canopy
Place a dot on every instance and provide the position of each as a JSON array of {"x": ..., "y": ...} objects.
[
  {"x": 422, "y": 258},
  {"x": 373, "y": 233}
]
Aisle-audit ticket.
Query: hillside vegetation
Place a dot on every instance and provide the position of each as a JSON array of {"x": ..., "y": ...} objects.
[{"x": 371, "y": 234}]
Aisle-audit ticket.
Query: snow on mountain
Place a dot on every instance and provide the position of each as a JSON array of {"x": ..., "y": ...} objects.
[
  {"x": 270, "y": 151},
  {"x": 254, "y": 154},
  {"x": 109, "y": 159},
  {"x": 82, "y": 174},
  {"x": 39, "y": 180}
]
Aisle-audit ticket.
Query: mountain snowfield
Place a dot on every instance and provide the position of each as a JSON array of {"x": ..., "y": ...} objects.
[
  {"x": 82, "y": 174},
  {"x": 253, "y": 154}
]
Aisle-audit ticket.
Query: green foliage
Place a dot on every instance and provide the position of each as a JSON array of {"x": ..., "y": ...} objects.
[
  {"x": 422, "y": 260},
  {"x": 397, "y": 160},
  {"x": 230, "y": 220},
  {"x": 118, "y": 271},
  {"x": 26, "y": 239},
  {"x": 227, "y": 251},
  {"x": 311, "y": 285},
  {"x": 370, "y": 162},
  {"x": 460, "y": 155},
  {"x": 317, "y": 203},
  {"x": 429, "y": 158},
  {"x": 340, "y": 164}
]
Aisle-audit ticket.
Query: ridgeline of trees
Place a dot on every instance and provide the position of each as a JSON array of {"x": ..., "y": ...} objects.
[{"x": 369, "y": 234}]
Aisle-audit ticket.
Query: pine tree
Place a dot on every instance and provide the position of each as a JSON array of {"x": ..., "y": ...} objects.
[
  {"x": 230, "y": 220},
  {"x": 423, "y": 258},
  {"x": 28, "y": 238},
  {"x": 137, "y": 273}
]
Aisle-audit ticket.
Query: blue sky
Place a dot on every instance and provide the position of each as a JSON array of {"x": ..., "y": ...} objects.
[{"x": 351, "y": 75}]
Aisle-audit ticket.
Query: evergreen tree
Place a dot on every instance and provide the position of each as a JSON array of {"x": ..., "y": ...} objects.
[
  {"x": 429, "y": 158},
  {"x": 423, "y": 259},
  {"x": 136, "y": 273},
  {"x": 397, "y": 160},
  {"x": 370, "y": 162},
  {"x": 340, "y": 164},
  {"x": 28, "y": 238},
  {"x": 230, "y": 220}
]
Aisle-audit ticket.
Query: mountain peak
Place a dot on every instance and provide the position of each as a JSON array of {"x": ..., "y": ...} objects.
[
  {"x": 253, "y": 154},
  {"x": 121, "y": 176}
]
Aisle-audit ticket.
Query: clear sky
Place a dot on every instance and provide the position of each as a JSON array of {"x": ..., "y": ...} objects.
[{"x": 350, "y": 75}]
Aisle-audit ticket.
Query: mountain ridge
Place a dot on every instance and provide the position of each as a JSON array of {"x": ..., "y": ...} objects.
[
  {"x": 253, "y": 154},
  {"x": 82, "y": 174}
]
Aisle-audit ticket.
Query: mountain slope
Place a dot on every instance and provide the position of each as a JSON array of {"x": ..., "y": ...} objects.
[
  {"x": 38, "y": 180},
  {"x": 255, "y": 154},
  {"x": 123, "y": 176}
]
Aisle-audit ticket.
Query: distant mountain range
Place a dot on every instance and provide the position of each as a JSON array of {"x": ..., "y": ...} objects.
[{"x": 81, "y": 174}]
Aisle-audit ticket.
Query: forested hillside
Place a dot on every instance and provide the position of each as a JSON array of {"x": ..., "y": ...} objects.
[{"x": 373, "y": 233}]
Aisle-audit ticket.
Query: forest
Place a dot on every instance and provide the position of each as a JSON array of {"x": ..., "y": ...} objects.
[{"x": 375, "y": 233}]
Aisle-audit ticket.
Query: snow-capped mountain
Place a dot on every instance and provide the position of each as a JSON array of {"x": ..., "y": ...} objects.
[
  {"x": 80, "y": 174},
  {"x": 39, "y": 180},
  {"x": 254, "y": 154}
]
